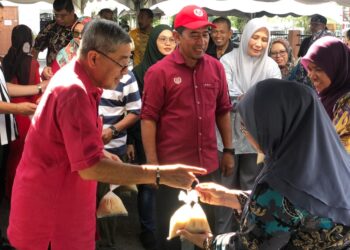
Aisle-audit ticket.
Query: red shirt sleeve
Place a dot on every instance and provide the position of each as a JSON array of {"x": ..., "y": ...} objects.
[{"x": 81, "y": 128}]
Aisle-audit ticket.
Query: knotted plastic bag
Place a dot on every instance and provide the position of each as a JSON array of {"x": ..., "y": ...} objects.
[
  {"x": 189, "y": 217},
  {"x": 111, "y": 205}
]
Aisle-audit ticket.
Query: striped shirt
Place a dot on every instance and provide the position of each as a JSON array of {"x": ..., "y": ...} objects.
[
  {"x": 115, "y": 104},
  {"x": 8, "y": 128}
]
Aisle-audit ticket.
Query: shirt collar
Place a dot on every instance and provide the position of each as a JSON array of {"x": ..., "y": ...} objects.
[
  {"x": 179, "y": 59},
  {"x": 90, "y": 87}
]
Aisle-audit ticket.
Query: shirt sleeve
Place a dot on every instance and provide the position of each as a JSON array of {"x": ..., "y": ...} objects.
[
  {"x": 223, "y": 99},
  {"x": 132, "y": 96},
  {"x": 42, "y": 39},
  {"x": 153, "y": 95},
  {"x": 81, "y": 129},
  {"x": 227, "y": 61}
]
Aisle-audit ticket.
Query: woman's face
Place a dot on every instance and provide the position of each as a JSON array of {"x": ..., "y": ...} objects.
[
  {"x": 77, "y": 32},
  {"x": 258, "y": 42},
  {"x": 279, "y": 54},
  {"x": 166, "y": 42},
  {"x": 318, "y": 77}
]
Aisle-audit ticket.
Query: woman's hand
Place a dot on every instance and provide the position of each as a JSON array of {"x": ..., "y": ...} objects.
[
  {"x": 47, "y": 73},
  {"x": 25, "y": 108},
  {"x": 215, "y": 194},
  {"x": 196, "y": 238},
  {"x": 179, "y": 175}
]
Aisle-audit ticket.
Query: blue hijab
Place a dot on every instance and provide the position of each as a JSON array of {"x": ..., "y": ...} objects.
[{"x": 305, "y": 160}]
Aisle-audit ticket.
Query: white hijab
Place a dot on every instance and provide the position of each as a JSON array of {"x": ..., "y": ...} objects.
[{"x": 244, "y": 71}]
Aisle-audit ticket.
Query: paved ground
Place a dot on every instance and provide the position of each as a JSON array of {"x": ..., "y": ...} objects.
[{"x": 128, "y": 226}]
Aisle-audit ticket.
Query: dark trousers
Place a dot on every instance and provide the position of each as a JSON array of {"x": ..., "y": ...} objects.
[
  {"x": 247, "y": 169},
  {"x": 167, "y": 203},
  {"x": 146, "y": 201}
]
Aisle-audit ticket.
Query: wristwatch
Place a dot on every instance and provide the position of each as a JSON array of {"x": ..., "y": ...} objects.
[
  {"x": 229, "y": 150},
  {"x": 207, "y": 244},
  {"x": 115, "y": 132}
]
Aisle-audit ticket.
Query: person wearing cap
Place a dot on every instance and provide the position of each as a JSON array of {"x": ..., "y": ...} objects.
[
  {"x": 185, "y": 95},
  {"x": 318, "y": 28}
]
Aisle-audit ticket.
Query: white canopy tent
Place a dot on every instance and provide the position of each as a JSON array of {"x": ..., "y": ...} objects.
[
  {"x": 250, "y": 8},
  {"x": 136, "y": 4}
]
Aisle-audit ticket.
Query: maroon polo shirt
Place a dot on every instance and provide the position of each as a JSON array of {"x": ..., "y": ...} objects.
[{"x": 184, "y": 102}]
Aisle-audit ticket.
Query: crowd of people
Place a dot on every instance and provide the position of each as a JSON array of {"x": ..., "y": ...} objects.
[{"x": 263, "y": 137}]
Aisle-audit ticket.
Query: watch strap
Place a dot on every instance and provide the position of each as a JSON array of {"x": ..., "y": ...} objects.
[
  {"x": 229, "y": 150},
  {"x": 115, "y": 132}
]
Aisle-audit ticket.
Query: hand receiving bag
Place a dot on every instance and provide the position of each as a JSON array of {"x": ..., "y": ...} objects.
[
  {"x": 189, "y": 217},
  {"x": 111, "y": 205}
]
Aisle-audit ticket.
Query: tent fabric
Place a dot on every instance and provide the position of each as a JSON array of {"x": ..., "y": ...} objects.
[
  {"x": 132, "y": 3},
  {"x": 256, "y": 8}
]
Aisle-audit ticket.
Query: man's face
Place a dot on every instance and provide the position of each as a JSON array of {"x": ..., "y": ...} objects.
[
  {"x": 111, "y": 67},
  {"x": 221, "y": 34},
  {"x": 316, "y": 26},
  {"x": 144, "y": 21},
  {"x": 193, "y": 43},
  {"x": 64, "y": 18}
]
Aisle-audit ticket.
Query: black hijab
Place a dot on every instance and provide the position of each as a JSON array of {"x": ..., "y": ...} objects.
[
  {"x": 17, "y": 61},
  {"x": 151, "y": 56},
  {"x": 305, "y": 160}
]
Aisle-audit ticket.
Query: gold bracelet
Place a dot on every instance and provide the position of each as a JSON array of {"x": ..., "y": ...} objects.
[{"x": 39, "y": 89}]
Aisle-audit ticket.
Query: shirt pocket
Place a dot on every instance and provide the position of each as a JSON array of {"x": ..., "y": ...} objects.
[{"x": 210, "y": 93}]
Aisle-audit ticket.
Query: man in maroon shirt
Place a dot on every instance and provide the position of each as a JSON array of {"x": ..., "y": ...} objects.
[
  {"x": 185, "y": 96},
  {"x": 54, "y": 193}
]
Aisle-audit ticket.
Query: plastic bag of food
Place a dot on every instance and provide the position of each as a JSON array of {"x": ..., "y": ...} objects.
[
  {"x": 189, "y": 217},
  {"x": 111, "y": 205}
]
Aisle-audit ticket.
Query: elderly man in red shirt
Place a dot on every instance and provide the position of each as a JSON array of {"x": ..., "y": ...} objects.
[
  {"x": 185, "y": 95},
  {"x": 54, "y": 193}
]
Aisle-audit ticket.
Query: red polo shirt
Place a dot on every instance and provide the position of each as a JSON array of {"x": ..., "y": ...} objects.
[
  {"x": 184, "y": 102},
  {"x": 50, "y": 202}
]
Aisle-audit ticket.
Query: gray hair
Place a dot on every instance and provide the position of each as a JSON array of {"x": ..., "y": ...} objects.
[{"x": 102, "y": 35}]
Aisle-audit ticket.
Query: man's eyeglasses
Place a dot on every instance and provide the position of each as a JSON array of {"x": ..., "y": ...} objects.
[
  {"x": 164, "y": 40},
  {"x": 123, "y": 67},
  {"x": 278, "y": 53}
]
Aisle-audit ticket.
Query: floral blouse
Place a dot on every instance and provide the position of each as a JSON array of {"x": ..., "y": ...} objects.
[
  {"x": 341, "y": 120},
  {"x": 270, "y": 222}
]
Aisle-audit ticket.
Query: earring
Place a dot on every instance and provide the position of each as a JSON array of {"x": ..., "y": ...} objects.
[{"x": 26, "y": 48}]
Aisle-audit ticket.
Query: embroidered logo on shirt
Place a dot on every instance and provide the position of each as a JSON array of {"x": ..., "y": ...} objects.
[
  {"x": 198, "y": 12},
  {"x": 177, "y": 80}
]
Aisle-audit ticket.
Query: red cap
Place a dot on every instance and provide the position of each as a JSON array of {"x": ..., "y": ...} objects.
[{"x": 192, "y": 17}]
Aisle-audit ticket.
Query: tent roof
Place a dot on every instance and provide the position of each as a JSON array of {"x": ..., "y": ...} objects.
[{"x": 228, "y": 4}]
